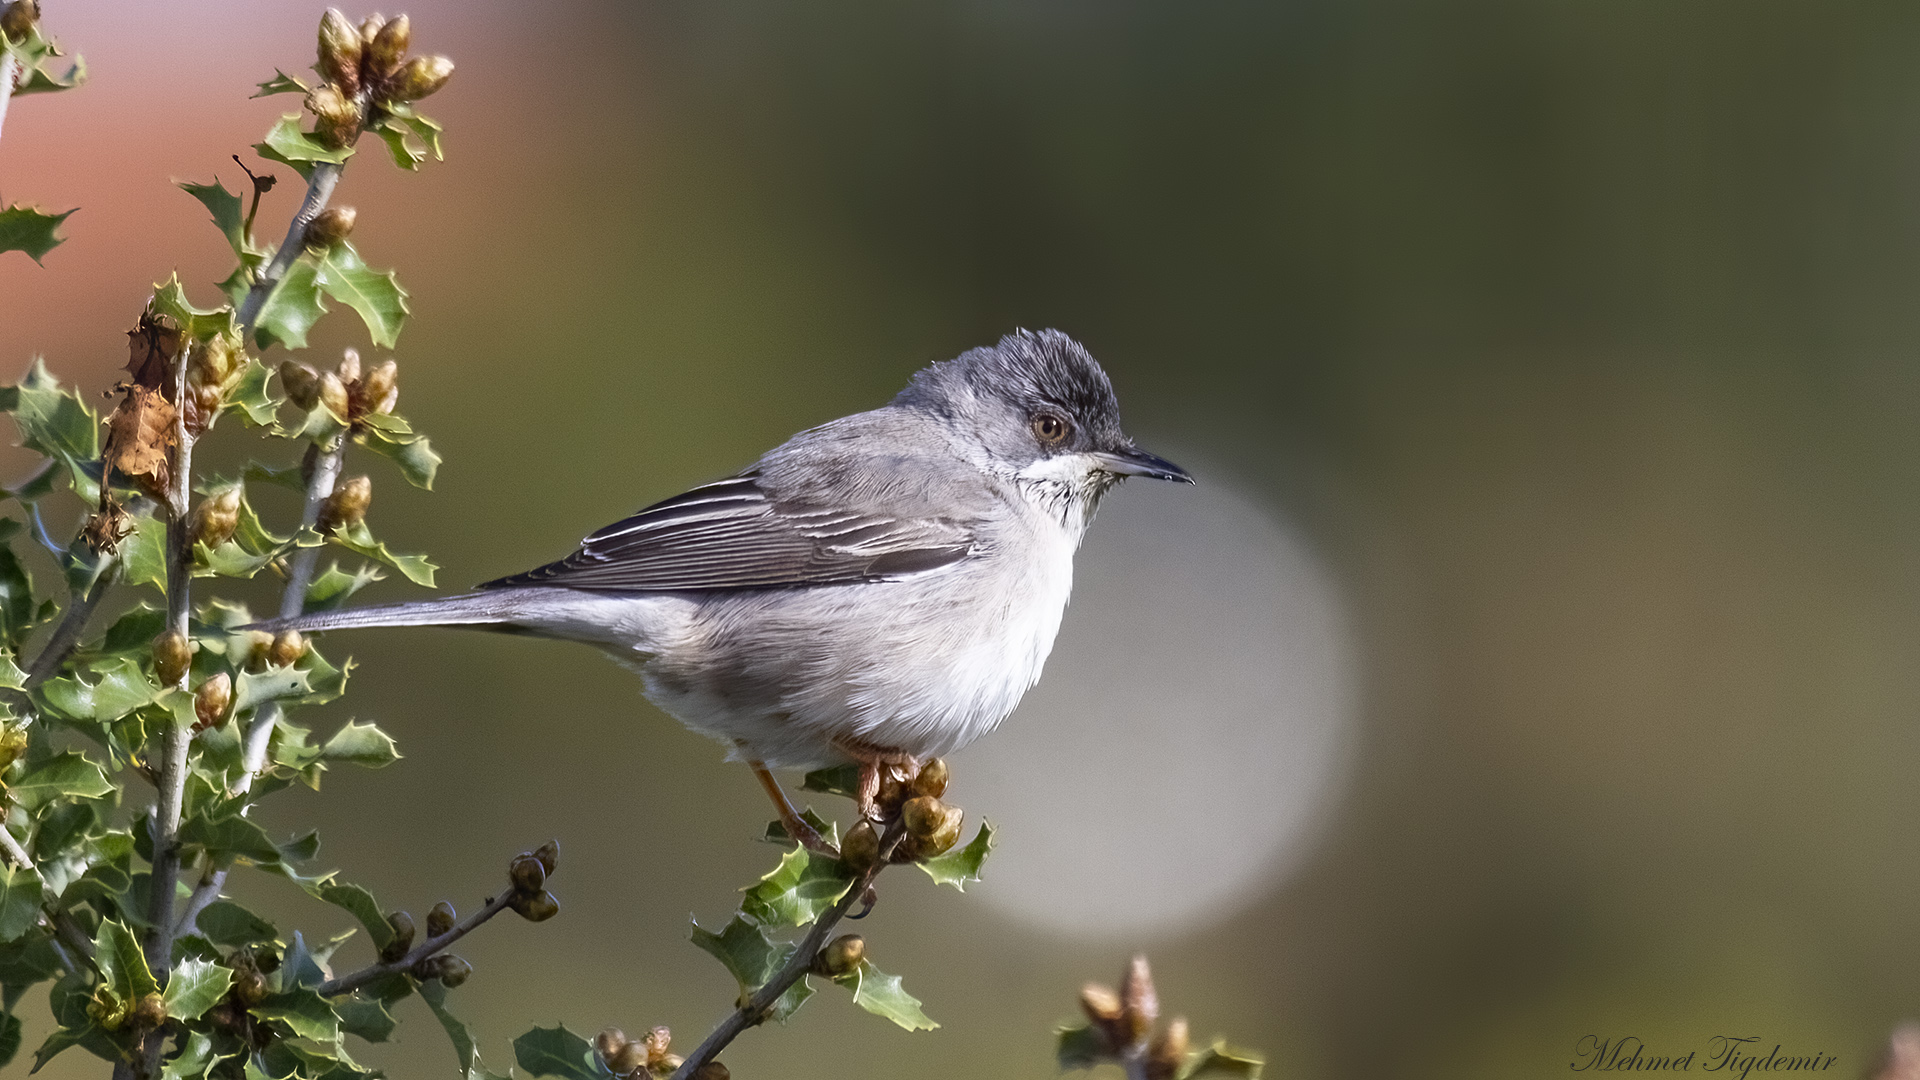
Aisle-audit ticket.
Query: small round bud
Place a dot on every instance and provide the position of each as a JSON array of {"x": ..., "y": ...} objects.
[
  {"x": 656, "y": 1040},
  {"x": 349, "y": 365},
  {"x": 172, "y": 655},
  {"x": 217, "y": 516},
  {"x": 1168, "y": 1051},
  {"x": 18, "y": 19},
  {"x": 422, "y": 76},
  {"x": 333, "y": 394},
  {"x": 527, "y": 875},
  {"x": 250, "y": 987},
  {"x": 536, "y": 907},
  {"x": 861, "y": 847},
  {"x": 628, "y": 1059},
  {"x": 301, "y": 383},
  {"x": 347, "y": 506},
  {"x": 609, "y": 1042},
  {"x": 376, "y": 392},
  {"x": 389, "y": 47},
  {"x": 454, "y": 971},
  {"x": 841, "y": 955},
  {"x": 253, "y": 654},
  {"x": 340, "y": 47},
  {"x": 329, "y": 227},
  {"x": 932, "y": 778},
  {"x": 932, "y": 826},
  {"x": 370, "y": 28},
  {"x": 712, "y": 1070},
  {"x": 402, "y": 924},
  {"x": 149, "y": 1012},
  {"x": 288, "y": 647},
  {"x": 440, "y": 919},
  {"x": 211, "y": 700},
  {"x": 1139, "y": 1003},
  {"x": 1100, "y": 1003},
  {"x": 549, "y": 855},
  {"x": 336, "y": 118}
]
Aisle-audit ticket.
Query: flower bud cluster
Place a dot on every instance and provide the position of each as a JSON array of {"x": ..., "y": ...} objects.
[
  {"x": 528, "y": 874},
  {"x": 214, "y": 369},
  {"x": 366, "y": 68},
  {"x": 216, "y": 518},
  {"x": 647, "y": 1056},
  {"x": 1123, "y": 1022},
  {"x": 350, "y": 394}
]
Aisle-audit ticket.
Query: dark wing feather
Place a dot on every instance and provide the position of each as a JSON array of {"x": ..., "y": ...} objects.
[{"x": 729, "y": 535}]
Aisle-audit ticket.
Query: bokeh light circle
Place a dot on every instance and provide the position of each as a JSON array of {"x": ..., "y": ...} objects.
[{"x": 1192, "y": 729}]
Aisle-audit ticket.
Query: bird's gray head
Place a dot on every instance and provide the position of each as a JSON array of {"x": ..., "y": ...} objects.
[{"x": 1043, "y": 413}]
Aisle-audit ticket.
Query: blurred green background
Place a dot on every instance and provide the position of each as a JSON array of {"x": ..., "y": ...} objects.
[{"x": 1576, "y": 342}]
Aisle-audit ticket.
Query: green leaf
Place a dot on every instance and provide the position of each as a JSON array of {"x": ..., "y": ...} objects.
[
  {"x": 777, "y": 832},
  {"x": 1079, "y": 1047},
  {"x": 121, "y": 687},
  {"x": 224, "y": 205},
  {"x": 227, "y": 560},
  {"x": 34, "y": 51},
  {"x": 366, "y": 1017},
  {"x": 796, "y": 893},
  {"x": 9, "y": 1039},
  {"x": 281, "y": 83},
  {"x": 250, "y": 397},
  {"x": 556, "y": 1052},
  {"x": 194, "y": 987},
  {"x": 193, "y": 1061},
  {"x": 358, "y": 902},
  {"x": 466, "y": 1048},
  {"x": 229, "y": 837},
  {"x": 291, "y": 309},
  {"x": 839, "y": 780},
  {"x": 59, "y": 1039},
  {"x": 361, "y": 744},
  {"x": 143, "y": 554},
  {"x": 116, "y": 950},
  {"x": 395, "y": 136},
  {"x": 358, "y": 538},
  {"x": 24, "y": 228},
  {"x": 1222, "y": 1060},
  {"x": 744, "y": 949},
  {"x": 254, "y": 688},
  {"x": 52, "y": 421},
  {"x": 228, "y": 924},
  {"x": 961, "y": 865},
  {"x": 68, "y": 774},
  {"x": 200, "y": 324},
  {"x": 376, "y": 295},
  {"x": 16, "y": 597},
  {"x": 882, "y": 995},
  {"x": 333, "y": 587},
  {"x": 416, "y": 457},
  {"x": 21, "y": 891},
  {"x": 294, "y": 148},
  {"x": 303, "y": 1010}
]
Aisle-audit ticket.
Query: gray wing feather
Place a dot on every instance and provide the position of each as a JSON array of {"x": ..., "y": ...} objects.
[{"x": 732, "y": 535}]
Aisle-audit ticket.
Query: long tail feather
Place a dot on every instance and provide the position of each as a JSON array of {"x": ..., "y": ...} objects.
[{"x": 469, "y": 609}]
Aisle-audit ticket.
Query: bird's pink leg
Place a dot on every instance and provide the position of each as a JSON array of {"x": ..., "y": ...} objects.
[{"x": 790, "y": 820}]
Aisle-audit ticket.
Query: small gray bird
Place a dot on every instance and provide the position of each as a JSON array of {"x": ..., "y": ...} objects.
[{"x": 880, "y": 589}]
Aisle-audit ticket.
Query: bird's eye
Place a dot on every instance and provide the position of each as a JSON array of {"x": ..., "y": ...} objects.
[{"x": 1050, "y": 429}]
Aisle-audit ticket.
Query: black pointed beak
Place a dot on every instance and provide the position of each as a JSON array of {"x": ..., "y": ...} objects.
[{"x": 1133, "y": 461}]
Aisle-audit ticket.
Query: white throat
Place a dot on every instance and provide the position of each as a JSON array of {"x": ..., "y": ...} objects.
[{"x": 1066, "y": 489}]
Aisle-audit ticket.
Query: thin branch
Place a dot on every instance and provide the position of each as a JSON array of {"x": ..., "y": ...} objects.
[
  {"x": 346, "y": 984},
  {"x": 61, "y": 922},
  {"x": 319, "y": 190},
  {"x": 16, "y": 854},
  {"x": 66, "y": 635},
  {"x": 203, "y": 894},
  {"x": 754, "y": 1012}
]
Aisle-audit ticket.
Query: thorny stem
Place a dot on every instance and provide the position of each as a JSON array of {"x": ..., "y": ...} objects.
[
  {"x": 348, "y": 983},
  {"x": 754, "y": 1011},
  {"x": 319, "y": 190}
]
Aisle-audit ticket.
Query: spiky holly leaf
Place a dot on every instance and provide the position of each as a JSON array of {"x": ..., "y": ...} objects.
[
  {"x": 839, "y": 780},
  {"x": 229, "y": 837},
  {"x": 333, "y": 587},
  {"x": 194, "y": 987},
  {"x": 250, "y": 397},
  {"x": 375, "y": 294},
  {"x": 291, "y": 309},
  {"x": 228, "y": 924},
  {"x": 358, "y": 538},
  {"x": 466, "y": 1048},
  {"x": 1080, "y": 1047},
  {"x": 143, "y": 553},
  {"x": 35, "y": 51},
  {"x": 882, "y": 995},
  {"x": 224, "y": 205},
  {"x": 361, "y": 744},
  {"x": 25, "y": 228},
  {"x": 416, "y": 457},
  {"x": 52, "y": 421},
  {"x": 777, "y": 833},
  {"x": 296, "y": 149},
  {"x": 744, "y": 949},
  {"x": 116, "y": 951},
  {"x": 21, "y": 891},
  {"x": 306, "y": 1012},
  {"x": 366, "y": 1017},
  {"x": 10, "y": 1035},
  {"x": 200, "y": 324},
  {"x": 558, "y": 1052},
  {"x": 1222, "y": 1060},
  {"x": 281, "y": 83},
  {"x": 798, "y": 891},
  {"x": 69, "y": 775},
  {"x": 961, "y": 865}
]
